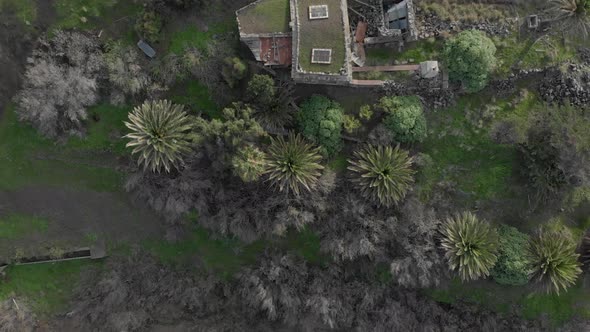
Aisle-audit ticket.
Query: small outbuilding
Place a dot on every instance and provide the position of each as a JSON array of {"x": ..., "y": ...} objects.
[
  {"x": 146, "y": 48},
  {"x": 429, "y": 69},
  {"x": 532, "y": 21}
]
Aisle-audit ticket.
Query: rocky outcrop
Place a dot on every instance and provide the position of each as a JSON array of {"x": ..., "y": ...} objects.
[
  {"x": 430, "y": 25},
  {"x": 571, "y": 85},
  {"x": 584, "y": 54}
]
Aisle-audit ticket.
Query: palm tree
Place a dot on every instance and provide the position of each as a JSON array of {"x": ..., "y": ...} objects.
[
  {"x": 160, "y": 134},
  {"x": 293, "y": 164},
  {"x": 383, "y": 174},
  {"x": 249, "y": 163},
  {"x": 553, "y": 259},
  {"x": 572, "y": 15},
  {"x": 470, "y": 246}
]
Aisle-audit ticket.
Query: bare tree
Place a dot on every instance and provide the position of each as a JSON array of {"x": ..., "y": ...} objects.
[{"x": 55, "y": 97}]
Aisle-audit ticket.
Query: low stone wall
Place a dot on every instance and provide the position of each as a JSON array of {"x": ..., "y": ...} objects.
[
  {"x": 430, "y": 25},
  {"x": 309, "y": 78}
]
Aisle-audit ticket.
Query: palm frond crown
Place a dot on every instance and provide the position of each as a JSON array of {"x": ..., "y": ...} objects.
[
  {"x": 383, "y": 174},
  {"x": 553, "y": 259},
  {"x": 470, "y": 246},
  {"x": 293, "y": 164},
  {"x": 160, "y": 134}
]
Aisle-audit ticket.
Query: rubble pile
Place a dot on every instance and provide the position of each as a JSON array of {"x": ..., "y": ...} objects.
[{"x": 571, "y": 86}]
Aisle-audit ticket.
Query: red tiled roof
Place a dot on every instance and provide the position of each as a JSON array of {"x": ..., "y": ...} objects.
[
  {"x": 361, "y": 32},
  {"x": 276, "y": 51}
]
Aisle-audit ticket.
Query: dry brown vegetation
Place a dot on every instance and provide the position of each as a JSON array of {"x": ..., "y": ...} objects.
[{"x": 467, "y": 11}]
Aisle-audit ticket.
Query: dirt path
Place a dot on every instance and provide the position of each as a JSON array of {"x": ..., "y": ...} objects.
[
  {"x": 77, "y": 218},
  {"x": 15, "y": 45}
]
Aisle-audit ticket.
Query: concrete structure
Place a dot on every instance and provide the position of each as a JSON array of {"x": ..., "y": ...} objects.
[
  {"x": 314, "y": 37},
  {"x": 429, "y": 69}
]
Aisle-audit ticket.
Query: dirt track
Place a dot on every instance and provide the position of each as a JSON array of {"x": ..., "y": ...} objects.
[
  {"x": 76, "y": 218},
  {"x": 15, "y": 45}
]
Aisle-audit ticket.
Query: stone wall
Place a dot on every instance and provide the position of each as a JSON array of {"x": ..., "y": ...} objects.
[
  {"x": 569, "y": 86},
  {"x": 430, "y": 25},
  {"x": 412, "y": 34}
]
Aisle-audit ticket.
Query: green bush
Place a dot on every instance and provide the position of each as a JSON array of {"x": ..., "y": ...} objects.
[
  {"x": 470, "y": 57},
  {"x": 366, "y": 113},
  {"x": 405, "y": 118},
  {"x": 320, "y": 120},
  {"x": 511, "y": 267},
  {"x": 149, "y": 25},
  {"x": 261, "y": 90},
  {"x": 233, "y": 71},
  {"x": 351, "y": 123}
]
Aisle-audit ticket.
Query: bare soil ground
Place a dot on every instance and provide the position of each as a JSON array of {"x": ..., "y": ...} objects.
[
  {"x": 76, "y": 218},
  {"x": 15, "y": 45}
]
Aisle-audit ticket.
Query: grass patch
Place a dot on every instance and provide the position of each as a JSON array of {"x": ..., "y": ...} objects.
[
  {"x": 106, "y": 130},
  {"x": 324, "y": 33},
  {"x": 267, "y": 16},
  {"x": 464, "y": 154},
  {"x": 454, "y": 10},
  {"x": 546, "y": 52},
  {"x": 559, "y": 308},
  {"x": 25, "y": 10},
  {"x": 197, "y": 98},
  {"x": 223, "y": 256},
  {"x": 339, "y": 163},
  {"x": 15, "y": 226},
  {"x": 530, "y": 305},
  {"x": 398, "y": 76},
  {"x": 96, "y": 14},
  {"x": 191, "y": 36},
  {"x": 47, "y": 287},
  {"x": 77, "y": 13},
  {"x": 305, "y": 244},
  {"x": 226, "y": 256},
  {"x": 28, "y": 159},
  {"x": 414, "y": 52}
]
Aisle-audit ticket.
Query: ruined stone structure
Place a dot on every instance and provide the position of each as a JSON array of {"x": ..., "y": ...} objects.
[{"x": 314, "y": 37}]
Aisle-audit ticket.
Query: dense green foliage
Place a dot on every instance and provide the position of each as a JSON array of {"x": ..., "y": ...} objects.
[
  {"x": 351, "y": 123},
  {"x": 470, "y": 246},
  {"x": 470, "y": 57},
  {"x": 160, "y": 134},
  {"x": 48, "y": 287},
  {"x": 320, "y": 120},
  {"x": 555, "y": 150},
  {"x": 553, "y": 260},
  {"x": 273, "y": 103},
  {"x": 148, "y": 25},
  {"x": 293, "y": 164},
  {"x": 261, "y": 90},
  {"x": 512, "y": 266},
  {"x": 405, "y": 118},
  {"x": 541, "y": 168},
  {"x": 383, "y": 174},
  {"x": 233, "y": 71},
  {"x": 223, "y": 137},
  {"x": 249, "y": 163}
]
